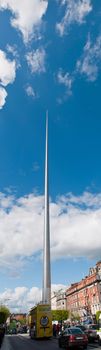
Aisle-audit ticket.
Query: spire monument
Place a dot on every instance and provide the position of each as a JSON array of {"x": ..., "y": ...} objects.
[{"x": 46, "y": 295}]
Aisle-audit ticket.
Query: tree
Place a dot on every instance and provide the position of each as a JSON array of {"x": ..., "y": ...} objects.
[
  {"x": 60, "y": 315},
  {"x": 22, "y": 322},
  {"x": 13, "y": 325},
  {"x": 4, "y": 313},
  {"x": 75, "y": 316},
  {"x": 98, "y": 313}
]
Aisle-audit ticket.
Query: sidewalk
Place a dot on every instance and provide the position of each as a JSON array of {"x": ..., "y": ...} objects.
[{"x": 6, "y": 345}]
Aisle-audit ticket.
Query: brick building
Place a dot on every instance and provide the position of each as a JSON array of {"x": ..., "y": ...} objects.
[
  {"x": 18, "y": 317},
  {"x": 84, "y": 297}
]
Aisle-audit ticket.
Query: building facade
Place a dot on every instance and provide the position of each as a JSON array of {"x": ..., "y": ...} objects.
[
  {"x": 53, "y": 301},
  {"x": 18, "y": 317},
  {"x": 58, "y": 300},
  {"x": 84, "y": 297}
]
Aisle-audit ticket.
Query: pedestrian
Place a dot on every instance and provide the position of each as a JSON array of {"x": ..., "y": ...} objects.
[
  {"x": 54, "y": 330},
  {"x": 57, "y": 329}
]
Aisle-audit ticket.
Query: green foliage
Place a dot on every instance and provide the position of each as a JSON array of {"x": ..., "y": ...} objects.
[
  {"x": 12, "y": 325},
  {"x": 4, "y": 313},
  {"x": 98, "y": 313},
  {"x": 60, "y": 315},
  {"x": 22, "y": 322},
  {"x": 75, "y": 317}
]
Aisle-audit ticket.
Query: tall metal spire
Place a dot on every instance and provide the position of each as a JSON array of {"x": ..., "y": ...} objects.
[{"x": 46, "y": 297}]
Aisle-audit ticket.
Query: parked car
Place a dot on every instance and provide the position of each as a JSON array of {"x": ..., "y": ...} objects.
[
  {"x": 2, "y": 333},
  {"x": 73, "y": 337},
  {"x": 99, "y": 336},
  {"x": 91, "y": 332},
  {"x": 82, "y": 327},
  {"x": 22, "y": 329},
  {"x": 12, "y": 331}
]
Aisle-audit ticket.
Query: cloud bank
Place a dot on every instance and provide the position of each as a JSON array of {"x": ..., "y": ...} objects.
[
  {"x": 21, "y": 299},
  {"x": 75, "y": 227}
]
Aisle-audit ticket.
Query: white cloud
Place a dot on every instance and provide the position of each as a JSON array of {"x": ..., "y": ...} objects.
[
  {"x": 3, "y": 95},
  {"x": 6, "y": 201},
  {"x": 87, "y": 199},
  {"x": 75, "y": 12},
  {"x": 57, "y": 287},
  {"x": 7, "y": 74},
  {"x": 7, "y": 69},
  {"x": 21, "y": 299},
  {"x": 66, "y": 80},
  {"x": 36, "y": 60},
  {"x": 12, "y": 50},
  {"x": 89, "y": 64},
  {"x": 75, "y": 227},
  {"x": 31, "y": 92},
  {"x": 26, "y": 15},
  {"x": 36, "y": 166}
]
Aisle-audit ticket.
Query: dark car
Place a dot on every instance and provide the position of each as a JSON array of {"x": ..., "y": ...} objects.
[
  {"x": 91, "y": 332},
  {"x": 73, "y": 337},
  {"x": 2, "y": 333},
  {"x": 12, "y": 331},
  {"x": 82, "y": 327}
]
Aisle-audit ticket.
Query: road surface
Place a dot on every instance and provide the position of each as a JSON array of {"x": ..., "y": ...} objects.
[{"x": 23, "y": 342}]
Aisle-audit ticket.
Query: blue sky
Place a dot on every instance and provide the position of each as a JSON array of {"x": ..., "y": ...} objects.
[{"x": 50, "y": 58}]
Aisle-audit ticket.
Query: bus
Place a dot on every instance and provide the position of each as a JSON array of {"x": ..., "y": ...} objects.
[{"x": 40, "y": 321}]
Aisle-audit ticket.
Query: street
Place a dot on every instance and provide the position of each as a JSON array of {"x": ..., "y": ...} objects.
[
  {"x": 23, "y": 342},
  {"x": 20, "y": 342}
]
